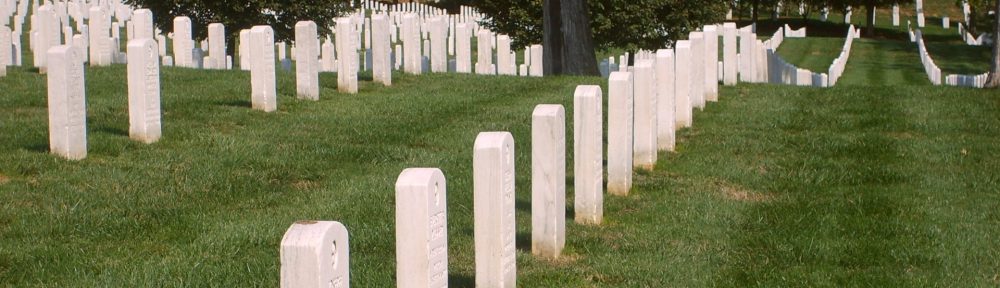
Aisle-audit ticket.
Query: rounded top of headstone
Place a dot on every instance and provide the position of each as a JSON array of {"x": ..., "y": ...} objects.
[
  {"x": 487, "y": 140},
  {"x": 588, "y": 91},
  {"x": 419, "y": 177},
  {"x": 620, "y": 76},
  {"x": 548, "y": 110}
]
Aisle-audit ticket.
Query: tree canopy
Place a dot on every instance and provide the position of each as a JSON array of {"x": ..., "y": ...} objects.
[
  {"x": 616, "y": 24},
  {"x": 236, "y": 15}
]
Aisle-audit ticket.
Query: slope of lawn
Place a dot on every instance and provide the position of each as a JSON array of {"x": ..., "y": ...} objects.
[
  {"x": 880, "y": 181},
  {"x": 812, "y": 53}
]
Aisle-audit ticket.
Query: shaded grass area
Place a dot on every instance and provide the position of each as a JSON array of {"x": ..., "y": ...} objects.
[{"x": 813, "y": 53}]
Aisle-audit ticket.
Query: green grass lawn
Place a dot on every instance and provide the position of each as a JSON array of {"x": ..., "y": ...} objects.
[{"x": 880, "y": 181}]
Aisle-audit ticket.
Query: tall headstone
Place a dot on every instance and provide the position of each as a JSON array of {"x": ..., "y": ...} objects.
[
  {"x": 644, "y": 145},
  {"x": 49, "y": 35},
  {"x": 665, "y": 100},
  {"x": 748, "y": 55},
  {"x": 315, "y": 254},
  {"x": 588, "y": 151},
  {"x": 142, "y": 23},
  {"x": 262, "y": 71},
  {"x": 537, "y": 66},
  {"x": 711, "y": 57},
  {"x": 67, "y": 104},
  {"x": 144, "y": 90},
  {"x": 698, "y": 69},
  {"x": 729, "y": 61},
  {"x": 382, "y": 54},
  {"x": 682, "y": 82},
  {"x": 216, "y": 46},
  {"x": 504, "y": 60},
  {"x": 347, "y": 61},
  {"x": 307, "y": 60},
  {"x": 439, "y": 44},
  {"x": 620, "y": 132},
  {"x": 484, "y": 42},
  {"x": 6, "y": 48},
  {"x": 244, "y": 49},
  {"x": 412, "y": 58},
  {"x": 463, "y": 48},
  {"x": 548, "y": 180},
  {"x": 895, "y": 15},
  {"x": 494, "y": 231},
  {"x": 183, "y": 44},
  {"x": 421, "y": 228}
]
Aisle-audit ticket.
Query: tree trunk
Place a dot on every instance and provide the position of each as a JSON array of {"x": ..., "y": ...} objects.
[
  {"x": 578, "y": 55},
  {"x": 552, "y": 38},
  {"x": 870, "y": 23},
  {"x": 993, "y": 81}
]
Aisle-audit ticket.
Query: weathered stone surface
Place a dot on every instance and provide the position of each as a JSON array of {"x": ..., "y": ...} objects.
[
  {"x": 644, "y": 147},
  {"x": 711, "y": 57},
  {"x": 49, "y": 35},
  {"x": 484, "y": 42},
  {"x": 315, "y": 254},
  {"x": 381, "y": 51},
  {"x": 142, "y": 23},
  {"x": 665, "y": 119},
  {"x": 307, "y": 60},
  {"x": 698, "y": 69},
  {"x": 463, "y": 48},
  {"x": 548, "y": 180},
  {"x": 67, "y": 104},
  {"x": 620, "y": 132},
  {"x": 216, "y": 46},
  {"x": 748, "y": 56},
  {"x": 347, "y": 61},
  {"x": 730, "y": 69},
  {"x": 682, "y": 82},
  {"x": 588, "y": 151},
  {"x": 144, "y": 90},
  {"x": 537, "y": 64},
  {"x": 493, "y": 183},
  {"x": 262, "y": 70},
  {"x": 421, "y": 228},
  {"x": 244, "y": 49},
  {"x": 183, "y": 44}
]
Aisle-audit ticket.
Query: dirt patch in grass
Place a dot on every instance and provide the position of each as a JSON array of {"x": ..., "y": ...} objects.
[
  {"x": 304, "y": 184},
  {"x": 4, "y": 179},
  {"x": 736, "y": 193}
]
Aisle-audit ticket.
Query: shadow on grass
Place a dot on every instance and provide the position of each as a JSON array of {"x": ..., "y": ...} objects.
[
  {"x": 457, "y": 280},
  {"x": 234, "y": 103}
]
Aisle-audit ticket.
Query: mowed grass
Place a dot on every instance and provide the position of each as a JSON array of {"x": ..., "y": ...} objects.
[
  {"x": 812, "y": 53},
  {"x": 881, "y": 181}
]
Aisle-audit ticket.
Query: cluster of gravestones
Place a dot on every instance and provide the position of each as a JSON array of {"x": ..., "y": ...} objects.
[
  {"x": 782, "y": 72},
  {"x": 934, "y": 73},
  {"x": 426, "y": 38}
]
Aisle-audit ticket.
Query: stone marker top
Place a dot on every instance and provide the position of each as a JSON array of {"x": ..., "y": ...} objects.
[
  {"x": 665, "y": 53},
  {"x": 588, "y": 90},
  {"x": 488, "y": 140},
  {"x": 645, "y": 63},
  {"x": 684, "y": 44},
  {"x": 620, "y": 76},
  {"x": 729, "y": 25},
  {"x": 552, "y": 110},
  {"x": 710, "y": 28},
  {"x": 420, "y": 177}
]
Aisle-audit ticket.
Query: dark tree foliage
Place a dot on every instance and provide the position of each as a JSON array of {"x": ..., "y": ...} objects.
[
  {"x": 236, "y": 15},
  {"x": 621, "y": 24}
]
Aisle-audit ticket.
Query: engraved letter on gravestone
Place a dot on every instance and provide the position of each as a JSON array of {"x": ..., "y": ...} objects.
[
  {"x": 494, "y": 231},
  {"x": 421, "y": 228},
  {"x": 315, "y": 254}
]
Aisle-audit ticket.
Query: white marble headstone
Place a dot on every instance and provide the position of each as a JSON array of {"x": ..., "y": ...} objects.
[
  {"x": 588, "y": 151},
  {"x": 665, "y": 120},
  {"x": 548, "y": 180},
  {"x": 307, "y": 60},
  {"x": 421, "y": 228},
  {"x": 67, "y": 104},
  {"x": 494, "y": 231},
  {"x": 262, "y": 70},
  {"x": 315, "y": 254},
  {"x": 620, "y": 132},
  {"x": 144, "y": 90},
  {"x": 682, "y": 84},
  {"x": 645, "y": 132}
]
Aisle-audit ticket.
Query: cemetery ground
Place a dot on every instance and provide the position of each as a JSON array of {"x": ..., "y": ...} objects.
[{"x": 883, "y": 180}]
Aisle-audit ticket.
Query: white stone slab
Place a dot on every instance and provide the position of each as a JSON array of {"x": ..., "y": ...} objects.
[
  {"x": 895, "y": 15},
  {"x": 484, "y": 43},
  {"x": 748, "y": 55},
  {"x": 548, "y": 180},
  {"x": 412, "y": 60},
  {"x": 67, "y": 104},
  {"x": 439, "y": 45},
  {"x": 644, "y": 146},
  {"x": 620, "y": 132},
  {"x": 698, "y": 70},
  {"x": 421, "y": 228},
  {"x": 665, "y": 119},
  {"x": 142, "y": 23},
  {"x": 262, "y": 70},
  {"x": 307, "y": 60},
  {"x": 6, "y": 48},
  {"x": 244, "y": 49},
  {"x": 503, "y": 56},
  {"x": 537, "y": 67},
  {"x": 381, "y": 51},
  {"x": 588, "y": 151},
  {"x": 682, "y": 84},
  {"x": 729, "y": 56},
  {"x": 347, "y": 61},
  {"x": 493, "y": 185},
  {"x": 144, "y": 90},
  {"x": 315, "y": 254},
  {"x": 183, "y": 44},
  {"x": 217, "y": 46},
  {"x": 463, "y": 48},
  {"x": 50, "y": 35},
  {"x": 711, "y": 57}
]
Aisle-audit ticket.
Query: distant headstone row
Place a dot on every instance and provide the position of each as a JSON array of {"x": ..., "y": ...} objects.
[{"x": 934, "y": 73}]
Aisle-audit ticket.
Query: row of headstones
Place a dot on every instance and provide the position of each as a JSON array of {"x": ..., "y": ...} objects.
[
  {"x": 646, "y": 107},
  {"x": 782, "y": 72},
  {"x": 934, "y": 73},
  {"x": 840, "y": 63}
]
